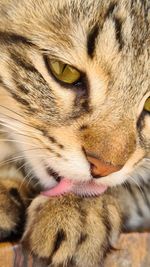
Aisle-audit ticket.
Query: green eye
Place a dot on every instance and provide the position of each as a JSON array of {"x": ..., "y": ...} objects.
[
  {"x": 147, "y": 105},
  {"x": 64, "y": 72}
]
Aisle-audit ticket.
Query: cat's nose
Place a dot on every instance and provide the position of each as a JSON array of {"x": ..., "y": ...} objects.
[{"x": 99, "y": 168}]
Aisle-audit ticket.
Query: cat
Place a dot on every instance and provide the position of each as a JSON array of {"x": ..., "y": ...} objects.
[{"x": 74, "y": 125}]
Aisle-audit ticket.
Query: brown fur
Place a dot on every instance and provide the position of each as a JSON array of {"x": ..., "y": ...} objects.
[
  {"x": 47, "y": 124},
  {"x": 80, "y": 221}
]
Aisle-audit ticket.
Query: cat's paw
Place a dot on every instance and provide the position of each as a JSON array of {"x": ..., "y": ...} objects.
[
  {"x": 69, "y": 231},
  {"x": 13, "y": 203}
]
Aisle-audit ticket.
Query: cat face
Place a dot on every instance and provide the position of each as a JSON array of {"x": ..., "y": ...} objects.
[{"x": 74, "y": 82}]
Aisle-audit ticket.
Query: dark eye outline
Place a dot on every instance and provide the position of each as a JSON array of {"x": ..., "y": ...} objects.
[{"x": 80, "y": 83}]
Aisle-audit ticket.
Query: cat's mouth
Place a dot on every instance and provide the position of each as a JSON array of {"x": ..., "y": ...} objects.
[
  {"x": 95, "y": 187},
  {"x": 65, "y": 185}
]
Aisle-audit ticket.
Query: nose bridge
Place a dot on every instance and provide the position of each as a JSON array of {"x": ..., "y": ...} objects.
[{"x": 112, "y": 143}]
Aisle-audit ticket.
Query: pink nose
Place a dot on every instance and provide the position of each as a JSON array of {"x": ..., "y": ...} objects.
[{"x": 100, "y": 168}]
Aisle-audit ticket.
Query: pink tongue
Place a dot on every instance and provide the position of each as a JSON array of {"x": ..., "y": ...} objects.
[
  {"x": 83, "y": 189},
  {"x": 63, "y": 187}
]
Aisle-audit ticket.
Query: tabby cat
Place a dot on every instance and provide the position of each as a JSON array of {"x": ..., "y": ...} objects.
[{"x": 74, "y": 122}]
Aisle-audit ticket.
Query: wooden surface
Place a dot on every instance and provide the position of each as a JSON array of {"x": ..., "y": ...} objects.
[
  {"x": 11, "y": 256},
  {"x": 133, "y": 250}
]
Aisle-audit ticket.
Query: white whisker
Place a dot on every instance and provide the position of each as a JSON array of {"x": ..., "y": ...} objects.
[
  {"x": 137, "y": 184},
  {"x": 16, "y": 141}
]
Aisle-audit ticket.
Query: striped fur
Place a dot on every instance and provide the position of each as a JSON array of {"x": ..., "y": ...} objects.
[{"x": 47, "y": 127}]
